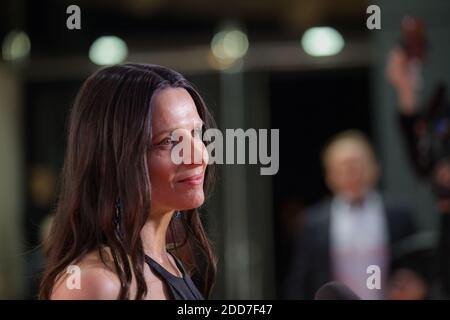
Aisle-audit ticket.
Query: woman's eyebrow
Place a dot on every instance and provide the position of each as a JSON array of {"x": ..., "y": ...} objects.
[{"x": 197, "y": 124}]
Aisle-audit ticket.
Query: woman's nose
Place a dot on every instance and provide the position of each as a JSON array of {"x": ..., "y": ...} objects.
[{"x": 198, "y": 153}]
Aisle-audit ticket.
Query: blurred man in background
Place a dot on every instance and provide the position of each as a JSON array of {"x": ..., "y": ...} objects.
[{"x": 353, "y": 230}]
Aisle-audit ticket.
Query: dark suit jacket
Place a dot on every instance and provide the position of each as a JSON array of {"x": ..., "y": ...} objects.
[{"x": 311, "y": 261}]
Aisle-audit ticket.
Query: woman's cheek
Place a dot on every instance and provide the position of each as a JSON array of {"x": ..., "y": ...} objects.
[{"x": 161, "y": 171}]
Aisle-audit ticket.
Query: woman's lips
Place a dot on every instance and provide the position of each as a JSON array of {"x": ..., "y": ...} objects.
[{"x": 193, "y": 180}]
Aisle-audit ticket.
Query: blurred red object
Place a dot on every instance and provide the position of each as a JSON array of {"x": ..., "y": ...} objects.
[{"x": 413, "y": 37}]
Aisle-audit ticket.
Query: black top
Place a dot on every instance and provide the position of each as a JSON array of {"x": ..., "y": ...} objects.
[{"x": 181, "y": 288}]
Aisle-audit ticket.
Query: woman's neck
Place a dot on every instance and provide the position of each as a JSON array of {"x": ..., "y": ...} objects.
[{"x": 153, "y": 234}]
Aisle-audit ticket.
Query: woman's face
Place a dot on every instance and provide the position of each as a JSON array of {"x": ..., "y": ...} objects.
[{"x": 176, "y": 186}]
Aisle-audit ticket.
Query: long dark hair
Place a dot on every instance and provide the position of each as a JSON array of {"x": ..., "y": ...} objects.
[{"x": 106, "y": 160}]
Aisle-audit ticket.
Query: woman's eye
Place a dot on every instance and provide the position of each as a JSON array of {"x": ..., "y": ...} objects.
[{"x": 166, "y": 142}]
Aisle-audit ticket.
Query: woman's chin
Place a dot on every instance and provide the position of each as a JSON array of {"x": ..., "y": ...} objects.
[{"x": 193, "y": 202}]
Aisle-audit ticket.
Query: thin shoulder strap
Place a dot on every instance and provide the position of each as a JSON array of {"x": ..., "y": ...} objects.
[
  {"x": 179, "y": 264},
  {"x": 190, "y": 284},
  {"x": 175, "y": 283},
  {"x": 166, "y": 277}
]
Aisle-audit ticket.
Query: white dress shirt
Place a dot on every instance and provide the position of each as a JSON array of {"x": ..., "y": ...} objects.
[{"x": 359, "y": 238}]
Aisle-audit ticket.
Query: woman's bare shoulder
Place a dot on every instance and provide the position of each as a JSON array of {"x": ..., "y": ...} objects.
[{"x": 88, "y": 279}]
